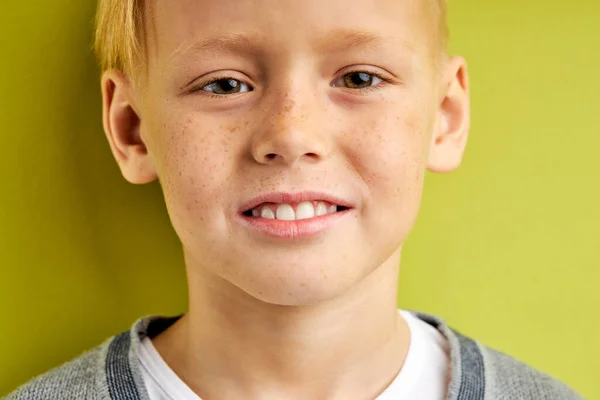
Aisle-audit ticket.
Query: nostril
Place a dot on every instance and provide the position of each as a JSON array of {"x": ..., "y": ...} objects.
[{"x": 271, "y": 156}]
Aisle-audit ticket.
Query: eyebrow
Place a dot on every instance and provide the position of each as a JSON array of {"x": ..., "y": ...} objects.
[
  {"x": 340, "y": 39},
  {"x": 241, "y": 43},
  {"x": 255, "y": 44}
]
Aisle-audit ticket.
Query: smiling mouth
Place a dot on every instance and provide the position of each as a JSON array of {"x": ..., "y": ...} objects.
[{"x": 293, "y": 212}]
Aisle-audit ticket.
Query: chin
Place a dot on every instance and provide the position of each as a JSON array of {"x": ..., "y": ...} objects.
[{"x": 303, "y": 288}]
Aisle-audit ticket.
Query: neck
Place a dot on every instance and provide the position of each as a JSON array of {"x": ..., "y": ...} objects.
[{"x": 231, "y": 345}]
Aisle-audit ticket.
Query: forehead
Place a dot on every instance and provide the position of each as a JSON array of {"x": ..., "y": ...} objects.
[{"x": 177, "y": 28}]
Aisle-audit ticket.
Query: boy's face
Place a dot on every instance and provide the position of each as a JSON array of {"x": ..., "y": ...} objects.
[{"x": 323, "y": 96}]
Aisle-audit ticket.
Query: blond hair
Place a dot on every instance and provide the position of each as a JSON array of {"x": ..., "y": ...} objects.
[
  {"x": 120, "y": 27},
  {"x": 119, "y": 34}
]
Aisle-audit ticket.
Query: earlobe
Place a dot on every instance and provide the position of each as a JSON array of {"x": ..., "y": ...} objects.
[
  {"x": 122, "y": 124},
  {"x": 449, "y": 138}
]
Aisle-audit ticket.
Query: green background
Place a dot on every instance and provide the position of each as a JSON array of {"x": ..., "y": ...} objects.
[{"x": 506, "y": 248}]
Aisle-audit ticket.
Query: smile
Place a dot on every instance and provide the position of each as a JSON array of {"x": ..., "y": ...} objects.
[
  {"x": 293, "y": 212},
  {"x": 293, "y": 215}
]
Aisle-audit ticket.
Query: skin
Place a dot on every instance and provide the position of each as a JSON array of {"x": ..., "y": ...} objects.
[{"x": 311, "y": 318}]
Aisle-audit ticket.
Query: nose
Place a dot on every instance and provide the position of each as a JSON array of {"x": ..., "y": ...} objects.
[{"x": 293, "y": 130}]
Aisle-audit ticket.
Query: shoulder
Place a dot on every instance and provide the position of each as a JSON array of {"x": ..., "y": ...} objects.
[
  {"x": 78, "y": 379},
  {"x": 509, "y": 377},
  {"x": 109, "y": 371},
  {"x": 481, "y": 372}
]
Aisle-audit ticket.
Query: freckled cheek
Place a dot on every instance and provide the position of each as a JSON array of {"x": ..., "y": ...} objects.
[
  {"x": 391, "y": 153},
  {"x": 390, "y": 158},
  {"x": 191, "y": 170}
]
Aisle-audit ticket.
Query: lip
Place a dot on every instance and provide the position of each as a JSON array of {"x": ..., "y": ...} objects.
[{"x": 297, "y": 229}]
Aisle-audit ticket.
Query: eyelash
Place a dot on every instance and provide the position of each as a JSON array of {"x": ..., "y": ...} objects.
[{"x": 370, "y": 89}]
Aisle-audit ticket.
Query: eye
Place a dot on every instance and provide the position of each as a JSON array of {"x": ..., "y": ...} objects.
[
  {"x": 358, "y": 80},
  {"x": 225, "y": 86}
]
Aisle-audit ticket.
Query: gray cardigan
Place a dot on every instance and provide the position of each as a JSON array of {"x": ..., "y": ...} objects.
[{"x": 111, "y": 371}]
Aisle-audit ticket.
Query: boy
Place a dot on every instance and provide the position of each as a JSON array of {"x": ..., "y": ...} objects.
[{"x": 290, "y": 139}]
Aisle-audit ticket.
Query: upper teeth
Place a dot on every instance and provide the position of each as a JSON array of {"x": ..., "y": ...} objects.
[{"x": 286, "y": 212}]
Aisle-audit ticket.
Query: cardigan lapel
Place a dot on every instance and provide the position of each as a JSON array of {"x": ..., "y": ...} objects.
[
  {"x": 472, "y": 377},
  {"x": 467, "y": 375},
  {"x": 119, "y": 375}
]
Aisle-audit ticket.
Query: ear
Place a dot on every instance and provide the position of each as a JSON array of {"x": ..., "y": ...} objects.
[
  {"x": 122, "y": 125},
  {"x": 452, "y": 126}
]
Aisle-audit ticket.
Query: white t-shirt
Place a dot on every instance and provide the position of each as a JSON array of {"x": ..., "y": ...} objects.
[{"x": 423, "y": 376}]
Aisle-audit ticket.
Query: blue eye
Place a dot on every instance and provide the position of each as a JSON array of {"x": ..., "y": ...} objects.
[{"x": 226, "y": 86}]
